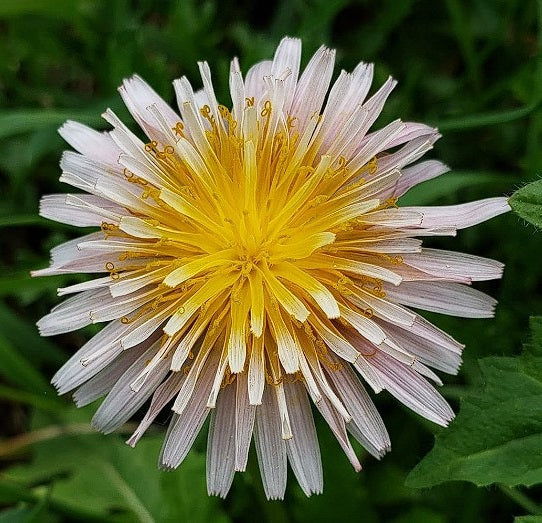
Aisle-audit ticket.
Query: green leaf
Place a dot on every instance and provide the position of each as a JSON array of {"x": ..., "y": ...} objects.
[
  {"x": 27, "y": 120},
  {"x": 497, "y": 435},
  {"x": 24, "y": 335},
  {"x": 17, "y": 369},
  {"x": 20, "y": 283},
  {"x": 100, "y": 474},
  {"x": 447, "y": 185},
  {"x": 56, "y": 8},
  {"x": 527, "y": 203}
]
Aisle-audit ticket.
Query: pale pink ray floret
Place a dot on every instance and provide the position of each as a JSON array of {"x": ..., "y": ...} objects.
[{"x": 253, "y": 258}]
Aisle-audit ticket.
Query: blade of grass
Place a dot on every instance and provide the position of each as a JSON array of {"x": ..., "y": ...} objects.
[{"x": 474, "y": 121}]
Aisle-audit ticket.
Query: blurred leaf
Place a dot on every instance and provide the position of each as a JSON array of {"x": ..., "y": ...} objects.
[
  {"x": 17, "y": 369},
  {"x": 13, "y": 492},
  {"x": 20, "y": 283},
  {"x": 46, "y": 403},
  {"x": 56, "y": 8},
  {"x": 26, "y": 120},
  {"x": 98, "y": 474},
  {"x": 527, "y": 202},
  {"x": 24, "y": 335},
  {"x": 497, "y": 435},
  {"x": 24, "y": 219},
  {"x": 447, "y": 185},
  {"x": 418, "y": 514}
]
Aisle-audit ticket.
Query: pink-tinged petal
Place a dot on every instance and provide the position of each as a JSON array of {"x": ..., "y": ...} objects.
[
  {"x": 463, "y": 215},
  {"x": 403, "y": 217},
  {"x": 253, "y": 255},
  {"x": 138, "y": 97},
  {"x": 348, "y": 91},
  {"x": 286, "y": 67},
  {"x": 108, "y": 308},
  {"x": 61, "y": 208},
  {"x": 312, "y": 87},
  {"x": 270, "y": 447},
  {"x": 366, "y": 425},
  {"x": 184, "y": 427},
  {"x": 454, "y": 299},
  {"x": 421, "y": 369},
  {"x": 72, "y": 313},
  {"x": 161, "y": 397},
  {"x": 208, "y": 90},
  {"x": 244, "y": 421},
  {"x": 435, "y": 352},
  {"x": 303, "y": 449},
  {"x": 122, "y": 402},
  {"x": 375, "y": 143},
  {"x": 104, "y": 381},
  {"x": 97, "y": 146},
  {"x": 255, "y": 86},
  {"x": 83, "y": 172},
  {"x": 418, "y": 173},
  {"x": 68, "y": 251},
  {"x": 412, "y": 130},
  {"x": 221, "y": 444},
  {"x": 407, "y": 154},
  {"x": 346, "y": 132},
  {"x": 455, "y": 264},
  {"x": 98, "y": 352},
  {"x": 237, "y": 90},
  {"x": 338, "y": 427},
  {"x": 411, "y": 389},
  {"x": 97, "y": 283}
]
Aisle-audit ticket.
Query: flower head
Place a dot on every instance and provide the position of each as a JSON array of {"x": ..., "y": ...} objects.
[{"x": 255, "y": 256}]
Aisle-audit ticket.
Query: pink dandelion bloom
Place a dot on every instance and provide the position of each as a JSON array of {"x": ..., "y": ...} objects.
[{"x": 254, "y": 257}]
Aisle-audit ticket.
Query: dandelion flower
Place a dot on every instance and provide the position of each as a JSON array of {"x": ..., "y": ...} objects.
[{"x": 253, "y": 257}]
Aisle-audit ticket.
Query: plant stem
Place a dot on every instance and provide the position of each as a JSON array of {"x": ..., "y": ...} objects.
[{"x": 522, "y": 500}]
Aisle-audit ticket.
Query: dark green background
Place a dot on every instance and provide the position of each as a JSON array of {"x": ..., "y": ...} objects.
[{"x": 474, "y": 68}]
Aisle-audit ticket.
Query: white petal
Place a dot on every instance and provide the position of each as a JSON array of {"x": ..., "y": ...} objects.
[
  {"x": 303, "y": 449},
  {"x": 184, "y": 427},
  {"x": 122, "y": 402},
  {"x": 454, "y": 299},
  {"x": 270, "y": 447},
  {"x": 463, "y": 215},
  {"x": 244, "y": 421},
  {"x": 455, "y": 264},
  {"x": 286, "y": 66},
  {"x": 337, "y": 425},
  {"x": 312, "y": 87},
  {"x": 91, "y": 143},
  {"x": 161, "y": 397},
  {"x": 221, "y": 444},
  {"x": 411, "y": 389},
  {"x": 103, "y": 382},
  {"x": 366, "y": 425},
  {"x": 138, "y": 97}
]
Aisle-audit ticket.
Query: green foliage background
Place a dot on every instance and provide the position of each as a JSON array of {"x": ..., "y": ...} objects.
[{"x": 474, "y": 68}]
